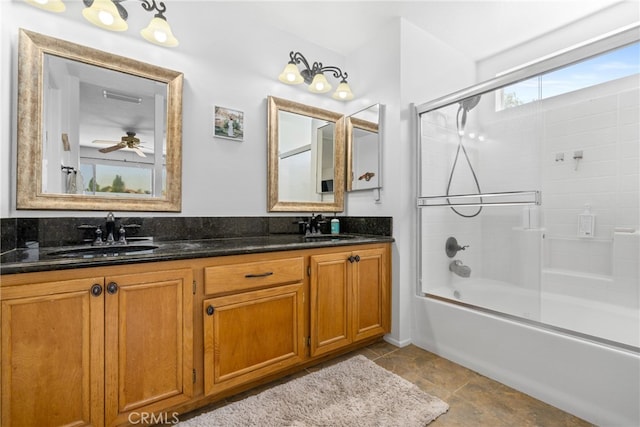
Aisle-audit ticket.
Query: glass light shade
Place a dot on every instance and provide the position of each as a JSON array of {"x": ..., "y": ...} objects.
[
  {"x": 343, "y": 92},
  {"x": 159, "y": 32},
  {"x": 291, "y": 75},
  {"x": 50, "y": 5},
  {"x": 103, "y": 13},
  {"x": 319, "y": 84}
]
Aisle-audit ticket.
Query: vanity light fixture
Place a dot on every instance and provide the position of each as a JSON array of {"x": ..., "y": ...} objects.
[
  {"x": 50, "y": 5},
  {"x": 111, "y": 15},
  {"x": 313, "y": 75}
]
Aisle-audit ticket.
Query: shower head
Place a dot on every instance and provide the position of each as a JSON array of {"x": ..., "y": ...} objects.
[{"x": 467, "y": 105}]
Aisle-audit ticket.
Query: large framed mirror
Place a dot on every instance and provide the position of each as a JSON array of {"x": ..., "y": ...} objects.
[
  {"x": 96, "y": 131},
  {"x": 306, "y": 158},
  {"x": 364, "y": 145}
]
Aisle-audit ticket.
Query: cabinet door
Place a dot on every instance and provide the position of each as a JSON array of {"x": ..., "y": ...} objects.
[
  {"x": 52, "y": 343},
  {"x": 370, "y": 294},
  {"x": 252, "y": 334},
  {"x": 330, "y": 289},
  {"x": 148, "y": 343}
]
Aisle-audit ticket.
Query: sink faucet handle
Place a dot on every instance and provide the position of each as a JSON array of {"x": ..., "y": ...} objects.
[
  {"x": 98, "y": 240},
  {"x": 121, "y": 235}
]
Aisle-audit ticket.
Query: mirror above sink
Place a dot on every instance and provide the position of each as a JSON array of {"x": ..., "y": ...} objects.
[
  {"x": 96, "y": 131},
  {"x": 306, "y": 158}
]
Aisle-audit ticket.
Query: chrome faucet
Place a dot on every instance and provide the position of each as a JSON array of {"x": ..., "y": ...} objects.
[{"x": 457, "y": 267}]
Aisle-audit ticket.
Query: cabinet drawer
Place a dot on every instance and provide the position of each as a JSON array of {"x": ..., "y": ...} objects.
[{"x": 243, "y": 276}]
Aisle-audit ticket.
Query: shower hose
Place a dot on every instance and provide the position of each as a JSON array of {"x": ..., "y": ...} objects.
[{"x": 460, "y": 129}]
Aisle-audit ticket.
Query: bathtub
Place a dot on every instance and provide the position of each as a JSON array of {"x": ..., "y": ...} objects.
[
  {"x": 592, "y": 379},
  {"x": 596, "y": 320}
]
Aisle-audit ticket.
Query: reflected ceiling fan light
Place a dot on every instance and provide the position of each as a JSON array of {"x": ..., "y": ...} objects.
[
  {"x": 121, "y": 97},
  {"x": 159, "y": 32},
  {"x": 105, "y": 14},
  {"x": 50, "y": 5},
  {"x": 319, "y": 84},
  {"x": 343, "y": 92},
  {"x": 291, "y": 75}
]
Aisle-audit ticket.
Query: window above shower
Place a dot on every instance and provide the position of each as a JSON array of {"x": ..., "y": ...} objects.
[{"x": 609, "y": 66}]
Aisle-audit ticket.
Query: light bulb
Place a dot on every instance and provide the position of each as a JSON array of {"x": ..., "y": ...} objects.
[
  {"x": 343, "y": 92},
  {"x": 105, "y": 17},
  {"x": 160, "y": 36}
]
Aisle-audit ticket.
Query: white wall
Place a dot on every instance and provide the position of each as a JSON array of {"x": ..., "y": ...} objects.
[{"x": 230, "y": 61}]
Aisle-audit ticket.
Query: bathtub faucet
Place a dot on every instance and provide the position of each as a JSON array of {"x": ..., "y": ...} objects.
[{"x": 459, "y": 268}]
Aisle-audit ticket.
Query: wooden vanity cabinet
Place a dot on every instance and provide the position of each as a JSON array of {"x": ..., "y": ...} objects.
[
  {"x": 95, "y": 350},
  {"x": 52, "y": 353},
  {"x": 148, "y": 343},
  {"x": 105, "y": 346},
  {"x": 259, "y": 328},
  {"x": 349, "y": 297}
]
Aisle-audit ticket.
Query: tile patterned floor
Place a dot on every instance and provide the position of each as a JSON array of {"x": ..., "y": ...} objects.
[{"x": 474, "y": 400}]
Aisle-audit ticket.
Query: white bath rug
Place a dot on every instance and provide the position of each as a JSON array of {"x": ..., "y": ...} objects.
[{"x": 356, "y": 392}]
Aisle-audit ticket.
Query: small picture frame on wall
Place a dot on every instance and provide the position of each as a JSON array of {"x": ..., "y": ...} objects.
[{"x": 228, "y": 123}]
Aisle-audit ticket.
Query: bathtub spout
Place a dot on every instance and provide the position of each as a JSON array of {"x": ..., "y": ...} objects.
[{"x": 459, "y": 268}]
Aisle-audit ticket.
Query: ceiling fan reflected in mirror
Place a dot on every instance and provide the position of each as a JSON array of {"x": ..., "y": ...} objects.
[{"x": 128, "y": 141}]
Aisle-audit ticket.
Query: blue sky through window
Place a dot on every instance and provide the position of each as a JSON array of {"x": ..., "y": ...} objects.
[{"x": 611, "y": 65}]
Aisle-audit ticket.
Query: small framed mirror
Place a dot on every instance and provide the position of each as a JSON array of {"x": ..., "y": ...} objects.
[
  {"x": 364, "y": 145},
  {"x": 306, "y": 158},
  {"x": 96, "y": 131}
]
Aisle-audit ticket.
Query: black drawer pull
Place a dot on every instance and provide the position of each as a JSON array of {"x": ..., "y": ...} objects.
[
  {"x": 251, "y": 276},
  {"x": 210, "y": 310}
]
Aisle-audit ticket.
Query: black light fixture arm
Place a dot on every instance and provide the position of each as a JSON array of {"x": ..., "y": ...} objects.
[
  {"x": 121, "y": 10},
  {"x": 317, "y": 67},
  {"x": 337, "y": 72},
  {"x": 151, "y": 6},
  {"x": 147, "y": 5}
]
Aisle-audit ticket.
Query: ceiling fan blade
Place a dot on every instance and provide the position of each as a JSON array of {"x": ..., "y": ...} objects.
[
  {"x": 112, "y": 148},
  {"x": 138, "y": 152}
]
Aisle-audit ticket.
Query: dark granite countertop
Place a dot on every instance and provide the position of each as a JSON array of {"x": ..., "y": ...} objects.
[{"x": 34, "y": 259}]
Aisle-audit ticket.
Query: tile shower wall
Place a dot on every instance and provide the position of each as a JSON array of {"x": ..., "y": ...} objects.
[
  {"x": 603, "y": 124},
  {"x": 519, "y": 153}
]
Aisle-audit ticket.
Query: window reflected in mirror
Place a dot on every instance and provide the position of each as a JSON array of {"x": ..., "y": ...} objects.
[
  {"x": 96, "y": 131},
  {"x": 306, "y": 158}
]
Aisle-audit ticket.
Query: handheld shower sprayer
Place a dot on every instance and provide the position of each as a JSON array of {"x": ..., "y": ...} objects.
[
  {"x": 467, "y": 105},
  {"x": 464, "y": 107}
]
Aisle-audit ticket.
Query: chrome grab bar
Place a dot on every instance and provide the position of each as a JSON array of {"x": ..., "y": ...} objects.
[{"x": 513, "y": 198}]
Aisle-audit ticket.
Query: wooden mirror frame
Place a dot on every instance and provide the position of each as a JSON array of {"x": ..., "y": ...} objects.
[
  {"x": 29, "y": 195},
  {"x": 275, "y": 105}
]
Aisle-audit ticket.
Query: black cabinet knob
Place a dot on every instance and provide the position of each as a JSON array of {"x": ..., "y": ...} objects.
[
  {"x": 96, "y": 290},
  {"x": 210, "y": 310},
  {"x": 112, "y": 288}
]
